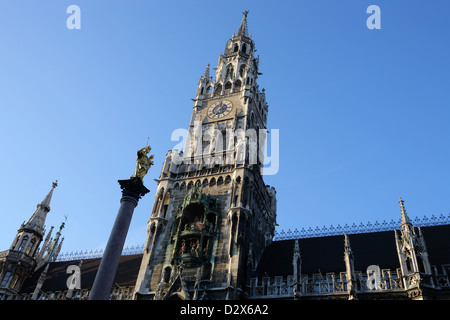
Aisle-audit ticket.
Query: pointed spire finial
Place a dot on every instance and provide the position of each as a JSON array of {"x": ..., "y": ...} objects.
[
  {"x": 296, "y": 246},
  {"x": 63, "y": 224},
  {"x": 46, "y": 202},
  {"x": 296, "y": 250},
  {"x": 346, "y": 241},
  {"x": 243, "y": 29},
  {"x": 37, "y": 220},
  {"x": 405, "y": 218},
  {"x": 206, "y": 74},
  {"x": 347, "y": 246}
]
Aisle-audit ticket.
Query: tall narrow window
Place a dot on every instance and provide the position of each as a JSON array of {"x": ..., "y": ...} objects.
[
  {"x": 241, "y": 70},
  {"x": 167, "y": 272},
  {"x": 23, "y": 243},
  {"x": 228, "y": 87},
  {"x": 218, "y": 89},
  {"x": 237, "y": 85},
  {"x": 6, "y": 279},
  {"x": 14, "y": 281},
  {"x": 229, "y": 72},
  {"x": 30, "y": 247},
  {"x": 165, "y": 210}
]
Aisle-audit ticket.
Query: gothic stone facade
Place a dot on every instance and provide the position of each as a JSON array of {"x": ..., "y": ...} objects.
[
  {"x": 213, "y": 214},
  {"x": 29, "y": 250},
  {"x": 212, "y": 224}
]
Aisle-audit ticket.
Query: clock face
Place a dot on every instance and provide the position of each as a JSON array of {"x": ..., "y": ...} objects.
[{"x": 220, "y": 109}]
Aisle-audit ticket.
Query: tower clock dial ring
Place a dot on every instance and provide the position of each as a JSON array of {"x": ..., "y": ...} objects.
[{"x": 220, "y": 109}]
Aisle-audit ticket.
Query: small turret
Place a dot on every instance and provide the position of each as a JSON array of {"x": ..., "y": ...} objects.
[
  {"x": 204, "y": 86},
  {"x": 411, "y": 250},
  {"x": 350, "y": 269},
  {"x": 23, "y": 256}
]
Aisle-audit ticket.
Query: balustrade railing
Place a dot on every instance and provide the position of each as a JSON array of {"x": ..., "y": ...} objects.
[
  {"x": 360, "y": 228},
  {"x": 319, "y": 284},
  {"x": 93, "y": 254}
]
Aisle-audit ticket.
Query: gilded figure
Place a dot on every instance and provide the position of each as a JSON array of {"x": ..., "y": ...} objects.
[{"x": 143, "y": 163}]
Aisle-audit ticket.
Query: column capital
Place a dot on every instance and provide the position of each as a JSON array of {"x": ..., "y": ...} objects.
[{"x": 133, "y": 188}]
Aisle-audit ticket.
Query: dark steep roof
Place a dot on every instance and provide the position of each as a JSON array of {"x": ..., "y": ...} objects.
[
  {"x": 321, "y": 254},
  {"x": 437, "y": 240},
  {"x": 56, "y": 279},
  {"x": 326, "y": 254}
]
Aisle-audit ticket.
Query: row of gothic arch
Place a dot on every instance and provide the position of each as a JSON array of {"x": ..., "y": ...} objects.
[{"x": 212, "y": 182}]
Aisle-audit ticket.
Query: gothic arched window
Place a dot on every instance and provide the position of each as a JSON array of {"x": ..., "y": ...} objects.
[
  {"x": 227, "y": 87},
  {"x": 167, "y": 272},
  {"x": 241, "y": 70},
  {"x": 229, "y": 72},
  {"x": 30, "y": 247},
  {"x": 6, "y": 278},
  {"x": 22, "y": 245},
  {"x": 237, "y": 85}
]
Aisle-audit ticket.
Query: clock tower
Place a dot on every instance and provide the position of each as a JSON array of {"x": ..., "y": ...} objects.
[{"x": 213, "y": 215}]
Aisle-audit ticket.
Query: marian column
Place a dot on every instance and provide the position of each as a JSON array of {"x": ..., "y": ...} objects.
[{"x": 132, "y": 190}]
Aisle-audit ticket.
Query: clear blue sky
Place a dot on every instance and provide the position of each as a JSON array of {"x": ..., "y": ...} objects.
[{"x": 363, "y": 114}]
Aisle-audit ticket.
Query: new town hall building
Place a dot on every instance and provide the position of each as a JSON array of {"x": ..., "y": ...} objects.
[{"x": 211, "y": 232}]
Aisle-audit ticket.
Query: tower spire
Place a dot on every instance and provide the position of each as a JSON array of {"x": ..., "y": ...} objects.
[
  {"x": 224, "y": 109},
  {"x": 206, "y": 74},
  {"x": 349, "y": 269},
  {"x": 23, "y": 257},
  {"x": 52, "y": 255},
  {"x": 37, "y": 220},
  {"x": 405, "y": 218},
  {"x": 243, "y": 29}
]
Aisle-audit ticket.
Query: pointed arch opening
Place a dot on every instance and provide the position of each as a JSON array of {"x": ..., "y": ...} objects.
[
  {"x": 218, "y": 89},
  {"x": 22, "y": 244},
  {"x": 227, "y": 87},
  {"x": 230, "y": 71},
  {"x": 242, "y": 70},
  {"x": 237, "y": 85},
  {"x": 167, "y": 272}
]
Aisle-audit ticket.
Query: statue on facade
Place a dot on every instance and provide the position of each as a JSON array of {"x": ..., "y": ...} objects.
[{"x": 143, "y": 163}]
